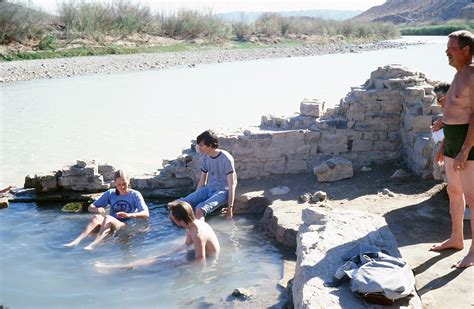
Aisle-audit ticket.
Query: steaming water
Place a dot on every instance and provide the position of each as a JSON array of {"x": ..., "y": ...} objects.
[
  {"x": 135, "y": 119},
  {"x": 36, "y": 271}
]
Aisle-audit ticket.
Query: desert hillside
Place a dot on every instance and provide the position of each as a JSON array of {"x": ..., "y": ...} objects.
[{"x": 418, "y": 11}]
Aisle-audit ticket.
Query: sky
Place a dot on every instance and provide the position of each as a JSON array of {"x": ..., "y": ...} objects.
[{"x": 241, "y": 5}]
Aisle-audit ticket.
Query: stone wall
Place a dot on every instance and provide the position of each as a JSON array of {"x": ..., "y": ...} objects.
[{"x": 386, "y": 119}]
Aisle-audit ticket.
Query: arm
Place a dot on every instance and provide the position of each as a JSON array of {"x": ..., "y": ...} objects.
[
  {"x": 439, "y": 156},
  {"x": 461, "y": 158},
  {"x": 202, "y": 180},
  {"x": 231, "y": 194},
  {"x": 200, "y": 249},
  {"x": 96, "y": 210}
]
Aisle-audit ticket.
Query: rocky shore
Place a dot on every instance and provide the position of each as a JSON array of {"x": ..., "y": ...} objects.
[{"x": 68, "y": 67}]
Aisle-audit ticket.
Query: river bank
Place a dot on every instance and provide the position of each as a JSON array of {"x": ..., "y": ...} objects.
[{"x": 68, "y": 67}]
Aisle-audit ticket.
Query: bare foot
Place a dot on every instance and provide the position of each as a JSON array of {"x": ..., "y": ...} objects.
[
  {"x": 89, "y": 247},
  {"x": 71, "y": 244},
  {"x": 467, "y": 261},
  {"x": 448, "y": 244}
]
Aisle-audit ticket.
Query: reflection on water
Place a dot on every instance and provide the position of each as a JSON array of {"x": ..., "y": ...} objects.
[
  {"x": 134, "y": 120},
  {"x": 36, "y": 270}
]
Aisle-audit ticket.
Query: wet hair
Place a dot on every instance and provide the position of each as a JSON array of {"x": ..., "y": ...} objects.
[
  {"x": 209, "y": 138},
  {"x": 182, "y": 211},
  {"x": 121, "y": 174},
  {"x": 465, "y": 38},
  {"x": 441, "y": 88}
]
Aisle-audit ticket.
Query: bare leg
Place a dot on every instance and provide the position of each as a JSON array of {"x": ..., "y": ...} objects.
[
  {"x": 93, "y": 225},
  {"x": 456, "y": 207},
  {"x": 131, "y": 265},
  {"x": 110, "y": 224},
  {"x": 467, "y": 175}
]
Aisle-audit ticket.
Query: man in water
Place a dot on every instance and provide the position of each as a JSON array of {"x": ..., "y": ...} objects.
[
  {"x": 198, "y": 233},
  {"x": 458, "y": 150}
]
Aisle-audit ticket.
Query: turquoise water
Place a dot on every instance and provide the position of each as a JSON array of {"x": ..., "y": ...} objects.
[
  {"x": 38, "y": 272},
  {"x": 134, "y": 120}
]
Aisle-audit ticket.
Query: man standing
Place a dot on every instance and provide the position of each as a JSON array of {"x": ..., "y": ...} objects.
[
  {"x": 218, "y": 178},
  {"x": 458, "y": 150}
]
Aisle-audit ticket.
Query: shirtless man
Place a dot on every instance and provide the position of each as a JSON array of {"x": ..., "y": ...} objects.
[
  {"x": 198, "y": 233},
  {"x": 458, "y": 150}
]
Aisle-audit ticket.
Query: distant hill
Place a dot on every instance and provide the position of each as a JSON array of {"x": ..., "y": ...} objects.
[
  {"x": 418, "y": 11},
  {"x": 251, "y": 17}
]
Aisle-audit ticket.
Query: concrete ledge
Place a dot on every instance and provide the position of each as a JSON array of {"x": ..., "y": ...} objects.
[{"x": 323, "y": 238}]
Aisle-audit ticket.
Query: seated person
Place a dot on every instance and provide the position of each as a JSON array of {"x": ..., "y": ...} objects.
[
  {"x": 198, "y": 233},
  {"x": 218, "y": 179},
  {"x": 125, "y": 204}
]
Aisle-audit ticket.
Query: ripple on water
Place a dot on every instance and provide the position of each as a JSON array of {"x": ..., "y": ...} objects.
[{"x": 66, "y": 277}]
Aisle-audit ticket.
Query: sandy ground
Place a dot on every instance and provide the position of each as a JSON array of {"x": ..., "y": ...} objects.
[{"x": 417, "y": 215}]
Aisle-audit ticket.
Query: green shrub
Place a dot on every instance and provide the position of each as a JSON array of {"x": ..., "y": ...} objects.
[
  {"x": 270, "y": 24},
  {"x": 189, "y": 24},
  {"x": 444, "y": 29},
  {"x": 19, "y": 23},
  {"x": 242, "y": 31},
  {"x": 48, "y": 42}
]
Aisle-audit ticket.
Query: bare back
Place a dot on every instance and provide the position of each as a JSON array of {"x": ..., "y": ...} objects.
[
  {"x": 459, "y": 103},
  {"x": 202, "y": 232}
]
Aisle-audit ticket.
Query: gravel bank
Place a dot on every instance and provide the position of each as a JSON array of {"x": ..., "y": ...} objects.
[{"x": 66, "y": 67}]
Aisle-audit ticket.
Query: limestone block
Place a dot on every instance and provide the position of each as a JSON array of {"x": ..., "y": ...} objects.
[
  {"x": 394, "y": 136},
  {"x": 421, "y": 123},
  {"x": 334, "y": 169},
  {"x": 423, "y": 146},
  {"x": 46, "y": 182},
  {"x": 391, "y": 106},
  {"x": 170, "y": 182},
  {"x": 436, "y": 109},
  {"x": 275, "y": 166},
  {"x": 371, "y": 136},
  {"x": 81, "y": 163},
  {"x": 333, "y": 143},
  {"x": 30, "y": 181},
  {"x": 428, "y": 89},
  {"x": 313, "y": 108},
  {"x": 107, "y": 171},
  {"x": 75, "y": 170},
  {"x": 362, "y": 145},
  {"x": 297, "y": 166},
  {"x": 385, "y": 145},
  {"x": 415, "y": 91},
  {"x": 141, "y": 182},
  {"x": 280, "y": 190},
  {"x": 357, "y": 108},
  {"x": 251, "y": 202}
]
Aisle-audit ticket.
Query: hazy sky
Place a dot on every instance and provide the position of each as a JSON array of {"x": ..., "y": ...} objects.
[{"x": 242, "y": 5}]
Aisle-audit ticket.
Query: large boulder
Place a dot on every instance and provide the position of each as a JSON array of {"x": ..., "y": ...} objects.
[{"x": 334, "y": 169}]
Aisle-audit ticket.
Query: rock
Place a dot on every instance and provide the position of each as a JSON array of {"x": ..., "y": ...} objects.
[
  {"x": 81, "y": 163},
  {"x": 334, "y": 169},
  {"x": 304, "y": 198},
  {"x": 386, "y": 191},
  {"x": 30, "y": 182},
  {"x": 319, "y": 196},
  {"x": 243, "y": 294},
  {"x": 72, "y": 207},
  {"x": 251, "y": 202},
  {"x": 107, "y": 171},
  {"x": 365, "y": 169},
  {"x": 400, "y": 174},
  {"x": 280, "y": 190},
  {"x": 313, "y": 108},
  {"x": 4, "y": 203}
]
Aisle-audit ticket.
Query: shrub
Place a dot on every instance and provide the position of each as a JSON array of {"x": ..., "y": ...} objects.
[
  {"x": 18, "y": 22},
  {"x": 243, "y": 31},
  {"x": 270, "y": 24},
  {"x": 48, "y": 42},
  {"x": 189, "y": 24}
]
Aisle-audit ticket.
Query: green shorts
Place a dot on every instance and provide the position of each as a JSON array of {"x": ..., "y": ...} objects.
[{"x": 454, "y": 136}]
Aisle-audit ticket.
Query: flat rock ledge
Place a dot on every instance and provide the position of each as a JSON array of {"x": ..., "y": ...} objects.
[{"x": 323, "y": 238}]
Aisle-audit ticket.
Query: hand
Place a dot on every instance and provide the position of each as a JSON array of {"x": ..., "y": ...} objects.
[
  {"x": 123, "y": 215},
  {"x": 229, "y": 213},
  {"x": 460, "y": 160},
  {"x": 439, "y": 157},
  {"x": 437, "y": 125}
]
